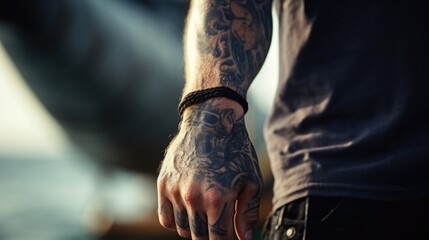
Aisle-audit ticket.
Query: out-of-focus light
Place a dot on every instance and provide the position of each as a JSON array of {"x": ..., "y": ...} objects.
[{"x": 25, "y": 125}]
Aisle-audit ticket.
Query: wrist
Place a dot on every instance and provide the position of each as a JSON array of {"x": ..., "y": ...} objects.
[
  {"x": 216, "y": 105},
  {"x": 203, "y": 95}
]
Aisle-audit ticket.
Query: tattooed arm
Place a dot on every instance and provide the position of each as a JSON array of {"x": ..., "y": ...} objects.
[{"x": 210, "y": 181}]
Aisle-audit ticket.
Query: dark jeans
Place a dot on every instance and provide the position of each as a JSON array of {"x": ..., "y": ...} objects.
[{"x": 349, "y": 218}]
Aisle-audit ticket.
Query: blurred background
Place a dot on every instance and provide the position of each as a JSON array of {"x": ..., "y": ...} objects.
[{"x": 88, "y": 98}]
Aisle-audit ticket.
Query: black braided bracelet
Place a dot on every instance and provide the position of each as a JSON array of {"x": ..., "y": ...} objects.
[{"x": 202, "y": 95}]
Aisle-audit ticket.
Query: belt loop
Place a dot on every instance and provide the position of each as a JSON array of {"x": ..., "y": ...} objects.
[
  {"x": 280, "y": 218},
  {"x": 307, "y": 203}
]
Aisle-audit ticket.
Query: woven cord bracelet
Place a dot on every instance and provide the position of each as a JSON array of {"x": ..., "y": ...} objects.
[{"x": 202, "y": 95}]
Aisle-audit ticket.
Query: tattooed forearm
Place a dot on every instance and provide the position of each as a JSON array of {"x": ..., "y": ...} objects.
[{"x": 233, "y": 39}]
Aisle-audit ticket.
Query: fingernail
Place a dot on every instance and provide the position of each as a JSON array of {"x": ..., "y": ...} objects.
[{"x": 248, "y": 235}]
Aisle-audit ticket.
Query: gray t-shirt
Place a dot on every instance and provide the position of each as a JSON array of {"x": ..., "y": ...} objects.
[{"x": 351, "y": 113}]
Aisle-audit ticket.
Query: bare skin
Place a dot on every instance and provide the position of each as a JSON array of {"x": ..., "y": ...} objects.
[{"x": 209, "y": 185}]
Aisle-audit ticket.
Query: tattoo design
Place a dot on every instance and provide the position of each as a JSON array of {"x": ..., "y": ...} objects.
[
  {"x": 199, "y": 227},
  {"x": 226, "y": 158},
  {"x": 234, "y": 37},
  {"x": 181, "y": 218},
  {"x": 224, "y": 145},
  {"x": 237, "y": 34},
  {"x": 218, "y": 227}
]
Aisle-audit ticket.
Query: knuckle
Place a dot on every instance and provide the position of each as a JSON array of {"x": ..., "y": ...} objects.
[
  {"x": 161, "y": 182},
  {"x": 254, "y": 188},
  {"x": 191, "y": 197},
  {"x": 175, "y": 193},
  {"x": 215, "y": 199}
]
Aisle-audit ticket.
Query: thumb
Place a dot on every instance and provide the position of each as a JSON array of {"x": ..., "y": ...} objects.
[{"x": 246, "y": 211}]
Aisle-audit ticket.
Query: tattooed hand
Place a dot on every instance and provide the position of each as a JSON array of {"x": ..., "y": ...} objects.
[{"x": 210, "y": 181}]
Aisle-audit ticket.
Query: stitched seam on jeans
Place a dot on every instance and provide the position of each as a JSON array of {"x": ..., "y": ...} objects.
[{"x": 332, "y": 210}]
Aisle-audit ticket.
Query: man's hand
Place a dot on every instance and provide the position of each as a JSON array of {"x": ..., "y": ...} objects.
[{"x": 210, "y": 180}]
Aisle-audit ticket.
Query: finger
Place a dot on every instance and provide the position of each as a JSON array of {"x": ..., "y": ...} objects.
[
  {"x": 165, "y": 207},
  {"x": 247, "y": 211},
  {"x": 193, "y": 200},
  {"x": 165, "y": 213},
  {"x": 182, "y": 222},
  {"x": 199, "y": 228},
  {"x": 220, "y": 220}
]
